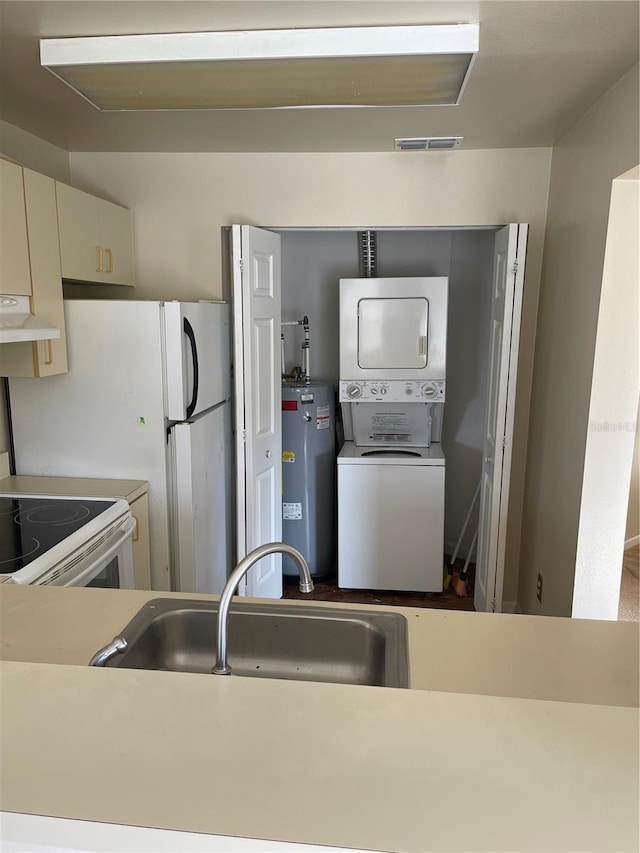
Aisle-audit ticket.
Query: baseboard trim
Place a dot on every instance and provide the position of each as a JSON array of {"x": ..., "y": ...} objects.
[{"x": 631, "y": 543}]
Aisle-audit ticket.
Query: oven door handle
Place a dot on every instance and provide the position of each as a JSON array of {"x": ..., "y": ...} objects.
[{"x": 101, "y": 558}]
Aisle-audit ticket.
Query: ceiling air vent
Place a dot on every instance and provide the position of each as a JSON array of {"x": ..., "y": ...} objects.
[{"x": 428, "y": 143}]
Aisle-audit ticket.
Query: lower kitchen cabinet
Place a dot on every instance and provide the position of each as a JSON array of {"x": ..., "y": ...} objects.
[{"x": 141, "y": 553}]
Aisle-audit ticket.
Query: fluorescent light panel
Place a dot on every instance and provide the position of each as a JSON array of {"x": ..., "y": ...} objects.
[{"x": 344, "y": 67}]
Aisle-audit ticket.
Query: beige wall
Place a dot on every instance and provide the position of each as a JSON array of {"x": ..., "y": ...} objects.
[
  {"x": 613, "y": 407},
  {"x": 181, "y": 201},
  {"x": 603, "y": 145},
  {"x": 29, "y": 150}
]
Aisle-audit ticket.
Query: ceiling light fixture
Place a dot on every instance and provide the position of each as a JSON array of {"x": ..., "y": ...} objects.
[
  {"x": 341, "y": 67},
  {"x": 428, "y": 143}
]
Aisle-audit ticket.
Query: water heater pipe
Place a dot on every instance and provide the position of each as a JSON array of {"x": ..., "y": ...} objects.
[{"x": 306, "y": 368}]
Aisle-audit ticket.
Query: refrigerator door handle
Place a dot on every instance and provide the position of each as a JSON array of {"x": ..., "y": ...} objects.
[{"x": 188, "y": 330}]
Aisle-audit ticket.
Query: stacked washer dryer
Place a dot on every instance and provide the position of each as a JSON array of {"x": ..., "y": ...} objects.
[{"x": 391, "y": 469}]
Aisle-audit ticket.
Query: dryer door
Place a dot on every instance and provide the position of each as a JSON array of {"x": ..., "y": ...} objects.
[
  {"x": 393, "y": 328},
  {"x": 392, "y": 333}
]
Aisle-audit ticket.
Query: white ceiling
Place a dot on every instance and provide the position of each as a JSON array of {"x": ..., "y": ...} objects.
[{"x": 541, "y": 65}]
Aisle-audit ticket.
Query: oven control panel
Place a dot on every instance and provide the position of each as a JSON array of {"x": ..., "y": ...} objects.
[{"x": 391, "y": 391}]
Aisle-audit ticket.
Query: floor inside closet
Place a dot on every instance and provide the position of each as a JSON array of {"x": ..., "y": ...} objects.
[
  {"x": 629, "y": 610},
  {"x": 446, "y": 600}
]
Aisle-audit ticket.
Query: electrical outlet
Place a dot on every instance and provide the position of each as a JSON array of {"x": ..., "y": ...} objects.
[{"x": 539, "y": 589}]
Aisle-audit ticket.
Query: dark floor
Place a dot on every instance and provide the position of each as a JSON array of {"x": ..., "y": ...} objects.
[{"x": 446, "y": 600}]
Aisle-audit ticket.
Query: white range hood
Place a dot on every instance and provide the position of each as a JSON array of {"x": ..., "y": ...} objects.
[{"x": 17, "y": 323}]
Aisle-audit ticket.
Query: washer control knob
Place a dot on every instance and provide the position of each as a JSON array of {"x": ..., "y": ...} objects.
[
  {"x": 430, "y": 390},
  {"x": 408, "y": 389},
  {"x": 383, "y": 390},
  {"x": 354, "y": 391},
  {"x": 374, "y": 389}
]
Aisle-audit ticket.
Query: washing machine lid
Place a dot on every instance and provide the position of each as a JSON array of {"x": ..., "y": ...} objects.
[{"x": 351, "y": 454}]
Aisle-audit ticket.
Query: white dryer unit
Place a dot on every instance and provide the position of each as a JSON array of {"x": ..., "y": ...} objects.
[
  {"x": 391, "y": 518},
  {"x": 392, "y": 329}
]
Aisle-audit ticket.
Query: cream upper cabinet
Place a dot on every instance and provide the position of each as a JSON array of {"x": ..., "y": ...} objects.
[
  {"x": 115, "y": 234},
  {"x": 79, "y": 233},
  {"x": 15, "y": 272},
  {"x": 95, "y": 238},
  {"x": 42, "y": 254}
]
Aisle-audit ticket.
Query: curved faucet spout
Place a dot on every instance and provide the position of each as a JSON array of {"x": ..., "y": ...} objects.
[{"x": 306, "y": 585}]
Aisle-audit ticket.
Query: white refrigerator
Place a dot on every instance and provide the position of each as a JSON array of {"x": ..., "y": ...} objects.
[{"x": 147, "y": 397}]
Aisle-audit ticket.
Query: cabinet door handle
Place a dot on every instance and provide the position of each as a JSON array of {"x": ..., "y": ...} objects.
[
  {"x": 100, "y": 264},
  {"x": 45, "y": 353},
  {"x": 136, "y": 530},
  {"x": 109, "y": 260}
]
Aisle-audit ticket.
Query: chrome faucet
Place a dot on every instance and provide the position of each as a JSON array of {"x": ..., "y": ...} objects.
[
  {"x": 116, "y": 647},
  {"x": 306, "y": 585}
]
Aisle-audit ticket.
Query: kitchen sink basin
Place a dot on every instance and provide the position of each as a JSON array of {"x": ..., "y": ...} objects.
[{"x": 270, "y": 641}]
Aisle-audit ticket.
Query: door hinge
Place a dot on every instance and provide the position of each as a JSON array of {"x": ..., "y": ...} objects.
[
  {"x": 514, "y": 268},
  {"x": 504, "y": 440},
  {"x": 494, "y": 604},
  {"x": 244, "y": 435},
  {"x": 241, "y": 264}
]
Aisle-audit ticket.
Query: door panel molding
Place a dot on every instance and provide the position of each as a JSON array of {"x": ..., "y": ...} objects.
[
  {"x": 509, "y": 263},
  {"x": 257, "y": 296}
]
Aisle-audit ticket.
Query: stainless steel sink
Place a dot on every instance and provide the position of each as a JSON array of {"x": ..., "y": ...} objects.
[{"x": 270, "y": 641}]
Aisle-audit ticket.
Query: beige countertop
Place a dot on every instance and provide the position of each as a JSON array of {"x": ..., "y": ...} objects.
[
  {"x": 528, "y": 657},
  {"x": 441, "y": 767},
  {"x": 71, "y": 486}
]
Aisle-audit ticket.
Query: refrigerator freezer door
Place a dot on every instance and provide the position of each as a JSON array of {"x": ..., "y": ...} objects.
[
  {"x": 197, "y": 357},
  {"x": 200, "y": 507}
]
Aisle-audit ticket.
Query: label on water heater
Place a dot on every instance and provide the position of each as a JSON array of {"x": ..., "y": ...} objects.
[
  {"x": 288, "y": 456},
  {"x": 323, "y": 419},
  {"x": 291, "y": 512}
]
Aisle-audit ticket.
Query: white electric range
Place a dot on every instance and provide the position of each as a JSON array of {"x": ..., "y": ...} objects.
[{"x": 66, "y": 541}]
